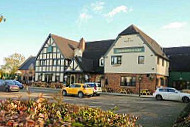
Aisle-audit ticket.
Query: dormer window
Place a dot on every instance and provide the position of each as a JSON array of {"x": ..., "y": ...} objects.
[{"x": 101, "y": 62}]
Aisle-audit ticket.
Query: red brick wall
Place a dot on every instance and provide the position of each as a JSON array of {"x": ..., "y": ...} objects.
[
  {"x": 95, "y": 77},
  {"x": 114, "y": 80}
]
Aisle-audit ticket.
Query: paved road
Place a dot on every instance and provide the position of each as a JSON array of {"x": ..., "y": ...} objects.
[{"x": 151, "y": 113}]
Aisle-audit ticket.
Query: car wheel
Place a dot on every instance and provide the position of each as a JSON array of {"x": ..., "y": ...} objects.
[
  {"x": 185, "y": 99},
  {"x": 159, "y": 97},
  {"x": 7, "y": 90},
  {"x": 64, "y": 93},
  {"x": 80, "y": 95}
]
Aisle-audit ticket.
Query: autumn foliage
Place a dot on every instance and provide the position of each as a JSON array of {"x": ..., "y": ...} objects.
[{"x": 41, "y": 112}]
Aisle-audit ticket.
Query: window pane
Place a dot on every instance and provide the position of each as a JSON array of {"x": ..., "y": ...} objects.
[
  {"x": 128, "y": 81},
  {"x": 141, "y": 60},
  {"x": 50, "y": 49},
  {"x": 171, "y": 90},
  {"x": 115, "y": 60}
]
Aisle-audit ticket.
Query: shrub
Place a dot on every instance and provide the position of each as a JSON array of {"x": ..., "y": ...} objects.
[
  {"x": 42, "y": 112},
  {"x": 184, "y": 118}
]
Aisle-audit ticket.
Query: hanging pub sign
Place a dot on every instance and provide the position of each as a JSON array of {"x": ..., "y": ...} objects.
[{"x": 128, "y": 50}]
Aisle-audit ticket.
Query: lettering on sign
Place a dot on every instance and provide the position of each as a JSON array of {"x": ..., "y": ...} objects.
[
  {"x": 128, "y": 40},
  {"x": 128, "y": 50}
]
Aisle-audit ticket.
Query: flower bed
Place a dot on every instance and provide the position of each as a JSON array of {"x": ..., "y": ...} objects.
[
  {"x": 39, "y": 113},
  {"x": 184, "y": 118},
  {"x": 48, "y": 85}
]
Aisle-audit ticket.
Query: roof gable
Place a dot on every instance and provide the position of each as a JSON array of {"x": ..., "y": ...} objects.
[
  {"x": 153, "y": 45},
  {"x": 66, "y": 46},
  {"x": 26, "y": 65}
]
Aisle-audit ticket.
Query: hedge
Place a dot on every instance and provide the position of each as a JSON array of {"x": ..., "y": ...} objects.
[
  {"x": 45, "y": 113},
  {"x": 184, "y": 118}
]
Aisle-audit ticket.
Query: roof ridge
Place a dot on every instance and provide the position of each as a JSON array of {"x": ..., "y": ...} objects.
[
  {"x": 63, "y": 37},
  {"x": 100, "y": 41},
  {"x": 177, "y": 47}
]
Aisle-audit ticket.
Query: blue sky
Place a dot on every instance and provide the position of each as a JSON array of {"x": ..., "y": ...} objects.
[{"x": 30, "y": 21}]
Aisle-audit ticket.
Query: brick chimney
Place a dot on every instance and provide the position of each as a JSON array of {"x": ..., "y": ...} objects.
[{"x": 81, "y": 45}]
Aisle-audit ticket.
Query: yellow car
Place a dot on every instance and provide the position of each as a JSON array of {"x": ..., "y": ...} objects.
[{"x": 78, "y": 89}]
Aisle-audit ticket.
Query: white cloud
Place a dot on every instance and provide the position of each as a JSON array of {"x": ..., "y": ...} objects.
[
  {"x": 97, "y": 6},
  {"x": 83, "y": 17},
  {"x": 174, "y": 25},
  {"x": 117, "y": 10}
]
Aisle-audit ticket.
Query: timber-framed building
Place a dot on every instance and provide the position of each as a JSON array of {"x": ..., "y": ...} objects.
[{"x": 117, "y": 63}]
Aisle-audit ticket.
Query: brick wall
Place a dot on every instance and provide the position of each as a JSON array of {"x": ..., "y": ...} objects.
[{"x": 114, "y": 80}]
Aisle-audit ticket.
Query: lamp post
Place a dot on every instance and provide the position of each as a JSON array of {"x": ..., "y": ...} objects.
[{"x": 140, "y": 79}]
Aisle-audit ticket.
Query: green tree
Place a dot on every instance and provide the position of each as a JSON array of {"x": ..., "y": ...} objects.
[{"x": 12, "y": 63}]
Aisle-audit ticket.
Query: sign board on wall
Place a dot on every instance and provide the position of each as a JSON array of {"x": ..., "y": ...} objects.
[{"x": 128, "y": 50}]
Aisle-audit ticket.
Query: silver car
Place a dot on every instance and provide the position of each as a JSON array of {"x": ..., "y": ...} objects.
[
  {"x": 8, "y": 86},
  {"x": 96, "y": 87}
]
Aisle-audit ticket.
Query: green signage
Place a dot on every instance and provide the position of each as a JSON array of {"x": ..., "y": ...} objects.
[{"x": 128, "y": 50}]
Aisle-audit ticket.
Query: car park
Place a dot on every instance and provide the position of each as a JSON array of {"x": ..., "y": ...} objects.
[
  {"x": 20, "y": 85},
  {"x": 77, "y": 89},
  {"x": 8, "y": 86},
  {"x": 97, "y": 89},
  {"x": 168, "y": 93}
]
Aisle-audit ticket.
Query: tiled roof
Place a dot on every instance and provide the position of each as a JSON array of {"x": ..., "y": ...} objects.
[
  {"x": 180, "y": 63},
  {"x": 93, "y": 52},
  {"x": 151, "y": 43},
  {"x": 27, "y": 63},
  {"x": 177, "y": 50},
  {"x": 66, "y": 46},
  {"x": 179, "y": 58}
]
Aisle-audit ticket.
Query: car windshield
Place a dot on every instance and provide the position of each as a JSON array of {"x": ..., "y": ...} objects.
[
  {"x": 10, "y": 82},
  {"x": 87, "y": 86},
  {"x": 91, "y": 84},
  {"x": 17, "y": 82},
  {"x": 178, "y": 91},
  {"x": 1, "y": 82}
]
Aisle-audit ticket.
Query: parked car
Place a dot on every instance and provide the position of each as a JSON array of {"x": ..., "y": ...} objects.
[
  {"x": 8, "y": 85},
  {"x": 167, "y": 93},
  {"x": 18, "y": 84},
  {"x": 2, "y": 82},
  {"x": 97, "y": 89},
  {"x": 78, "y": 89}
]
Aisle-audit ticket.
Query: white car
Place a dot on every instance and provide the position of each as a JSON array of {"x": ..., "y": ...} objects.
[
  {"x": 96, "y": 87},
  {"x": 167, "y": 93}
]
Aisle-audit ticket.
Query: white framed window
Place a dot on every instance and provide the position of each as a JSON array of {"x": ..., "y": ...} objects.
[
  {"x": 115, "y": 60},
  {"x": 128, "y": 81},
  {"x": 140, "y": 59},
  {"x": 101, "y": 62}
]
